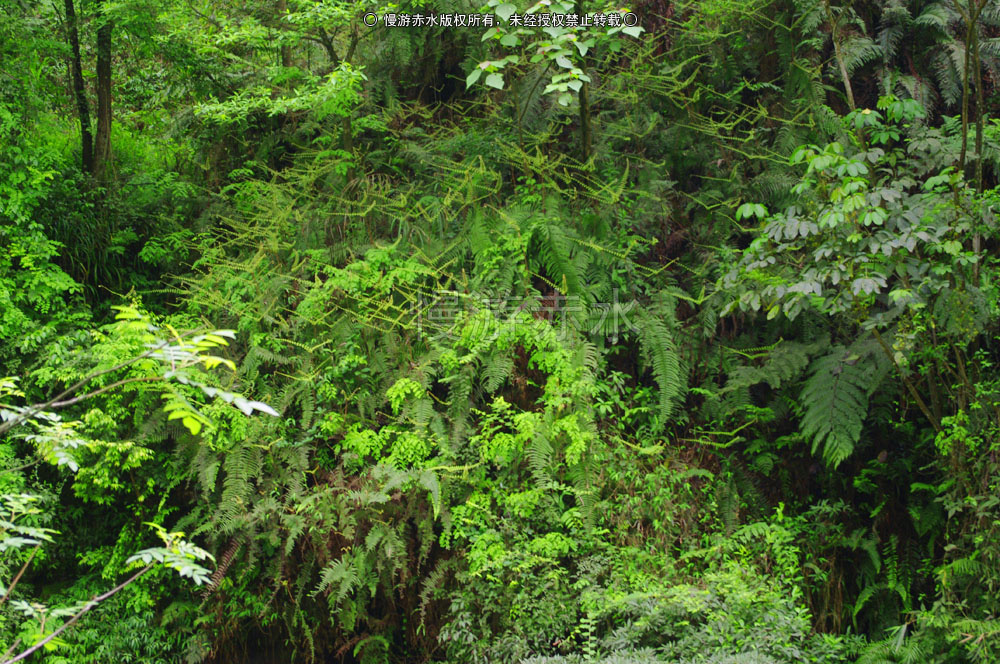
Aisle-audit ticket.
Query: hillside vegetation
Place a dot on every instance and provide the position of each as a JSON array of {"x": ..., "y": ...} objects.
[{"x": 674, "y": 337}]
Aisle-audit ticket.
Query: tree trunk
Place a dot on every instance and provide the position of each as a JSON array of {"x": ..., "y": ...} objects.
[
  {"x": 286, "y": 50},
  {"x": 102, "y": 148},
  {"x": 79, "y": 91},
  {"x": 977, "y": 67},
  {"x": 845, "y": 77},
  {"x": 585, "y": 128},
  {"x": 331, "y": 52}
]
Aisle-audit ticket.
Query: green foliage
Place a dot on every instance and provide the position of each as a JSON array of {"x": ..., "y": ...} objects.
[
  {"x": 867, "y": 216},
  {"x": 700, "y": 368},
  {"x": 37, "y": 298},
  {"x": 657, "y": 342},
  {"x": 836, "y": 395},
  {"x": 336, "y": 95},
  {"x": 167, "y": 357},
  {"x": 561, "y": 45}
]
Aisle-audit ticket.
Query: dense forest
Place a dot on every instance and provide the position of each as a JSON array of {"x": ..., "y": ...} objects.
[{"x": 348, "y": 331}]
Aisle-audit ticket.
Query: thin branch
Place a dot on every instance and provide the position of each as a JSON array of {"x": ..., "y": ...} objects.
[
  {"x": 532, "y": 92},
  {"x": 13, "y": 647},
  {"x": 57, "y": 401},
  {"x": 69, "y": 623},
  {"x": 327, "y": 41},
  {"x": 23, "y": 466},
  {"x": 909, "y": 384},
  {"x": 37, "y": 408},
  {"x": 17, "y": 578},
  {"x": 84, "y": 397}
]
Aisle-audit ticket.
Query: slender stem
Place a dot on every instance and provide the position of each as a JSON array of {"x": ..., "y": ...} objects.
[
  {"x": 10, "y": 424},
  {"x": 13, "y": 647},
  {"x": 965, "y": 85},
  {"x": 585, "y": 126},
  {"x": 327, "y": 42},
  {"x": 968, "y": 392},
  {"x": 977, "y": 66},
  {"x": 532, "y": 92}
]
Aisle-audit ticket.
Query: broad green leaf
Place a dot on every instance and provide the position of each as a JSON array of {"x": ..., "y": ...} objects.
[
  {"x": 505, "y": 10},
  {"x": 193, "y": 425}
]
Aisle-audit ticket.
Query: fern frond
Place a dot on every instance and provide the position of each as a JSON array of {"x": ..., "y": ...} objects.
[
  {"x": 539, "y": 453},
  {"x": 948, "y": 65},
  {"x": 895, "y": 18},
  {"x": 857, "y": 51},
  {"x": 656, "y": 340},
  {"x": 498, "y": 369},
  {"x": 340, "y": 576},
  {"x": 936, "y": 16},
  {"x": 835, "y": 400},
  {"x": 433, "y": 583},
  {"x": 784, "y": 363},
  {"x": 554, "y": 248}
]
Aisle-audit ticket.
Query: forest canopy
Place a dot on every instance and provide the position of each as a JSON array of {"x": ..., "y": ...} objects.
[{"x": 552, "y": 332}]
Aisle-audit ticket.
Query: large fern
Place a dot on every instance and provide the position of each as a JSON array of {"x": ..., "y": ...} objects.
[
  {"x": 783, "y": 363},
  {"x": 657, "y": 340},
  {"x": 835, "y": 398}
]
